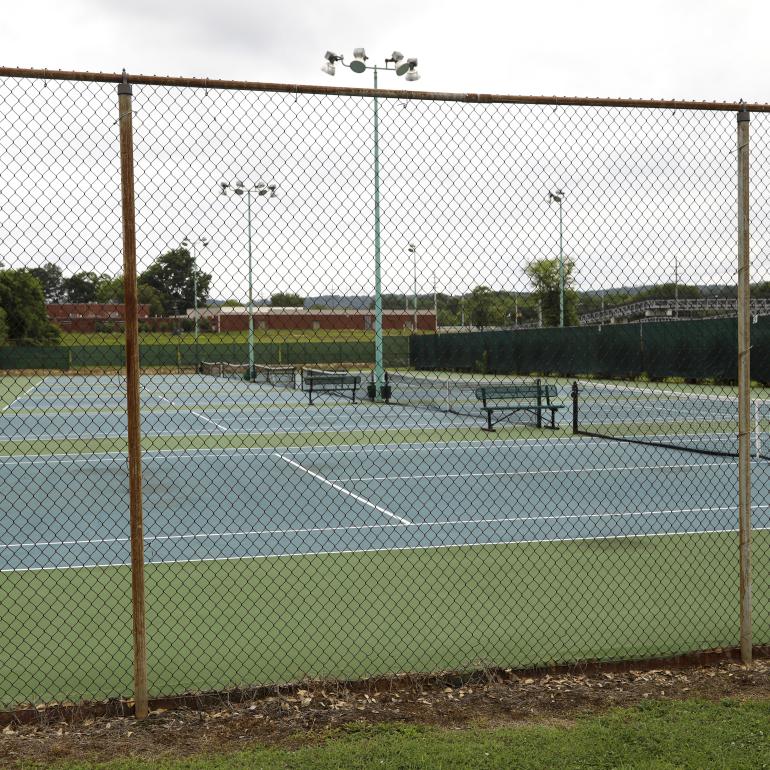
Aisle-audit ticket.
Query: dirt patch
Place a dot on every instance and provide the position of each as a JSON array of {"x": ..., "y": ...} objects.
[{"x": 306, "y": 713}]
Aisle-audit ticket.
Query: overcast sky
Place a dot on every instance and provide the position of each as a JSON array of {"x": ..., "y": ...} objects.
[
  {"x": 694, "y": 49},
  {"x": 650, "y": 194}
]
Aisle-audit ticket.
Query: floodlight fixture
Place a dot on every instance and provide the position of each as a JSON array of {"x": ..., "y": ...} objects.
[
  {"x": 412, "y": 75},
  {"x": 224, "y": 186},
  {"x": 556, "y": 196},
  {"x": 330, "y": 58},
  {"x": 359, "y": 60}
]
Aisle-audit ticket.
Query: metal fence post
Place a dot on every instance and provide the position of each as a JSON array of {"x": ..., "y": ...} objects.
[
  {"x": 744, "y": 388},
  {"x": 132, "y": 397}
]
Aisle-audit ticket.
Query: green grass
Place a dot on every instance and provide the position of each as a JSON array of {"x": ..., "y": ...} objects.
[
  {"x": 261, "y": 620},
  {"x": 689, "y": 735},
  {"x": 260, "y": 335}
]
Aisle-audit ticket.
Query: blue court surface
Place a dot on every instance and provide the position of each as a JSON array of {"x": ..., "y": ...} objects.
[{"x": 200, "y": 504}]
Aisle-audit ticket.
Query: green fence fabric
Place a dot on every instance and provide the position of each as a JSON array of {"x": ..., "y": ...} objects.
[
  {"x": 34, "y": 358},
  {"x": 395, "y": 353},
  {"x": 693, "y": 350}
]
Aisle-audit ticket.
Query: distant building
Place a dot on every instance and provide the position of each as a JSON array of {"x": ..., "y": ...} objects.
[
  {"x": 90, "y": 316},
  {"x": 298, "y": 318}
]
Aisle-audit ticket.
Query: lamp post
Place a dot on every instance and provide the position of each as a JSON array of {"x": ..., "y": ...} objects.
[
  {"x": 401, "y": 66},
  {"x": 557, "y": 197},
  {"x": 676, "y": 287},
  {"x": 261, "y": 189},
  {"x": 194, "y": 244},
  {"x": 412, "y": 249}
]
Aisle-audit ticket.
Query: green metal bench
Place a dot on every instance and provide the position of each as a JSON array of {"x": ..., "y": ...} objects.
[{"x": 509, "y": 399}]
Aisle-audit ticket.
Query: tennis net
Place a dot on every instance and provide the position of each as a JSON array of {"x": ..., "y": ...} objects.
[
  {"x": 667, "y": 417},
  {"x": 223, "y": 369},
  {"x": 280, "y": 375}
]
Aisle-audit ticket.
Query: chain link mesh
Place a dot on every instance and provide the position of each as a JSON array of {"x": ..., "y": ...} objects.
[{"x": 305, "y": 516}]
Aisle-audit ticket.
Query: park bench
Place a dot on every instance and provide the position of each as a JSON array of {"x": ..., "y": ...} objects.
[
  {"x": 316, "y": 382},
  {"x": 510, "y": 399}
]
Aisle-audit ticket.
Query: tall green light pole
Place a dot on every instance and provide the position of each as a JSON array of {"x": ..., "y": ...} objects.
[
  {"x": 401, "y": 66},
  {"x": 194, "y": 244},
  {"x": 558, "y": 197},
  {"x": 239, "y": 188}
]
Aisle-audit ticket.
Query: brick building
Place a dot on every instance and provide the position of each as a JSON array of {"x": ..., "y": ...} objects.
[
  {"x": 299, "y": 318},
  {"x": 91, "y": 316}
]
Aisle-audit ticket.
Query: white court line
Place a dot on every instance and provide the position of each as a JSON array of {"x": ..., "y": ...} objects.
[
  {"x": 366, "y": 527},
  {"x": 394, "y": 549},
  {"x": 541, "y": 472},
  {"x": 337, "y": 449},
  {"x": 27, "y": 392},
  {"x": 192, "y": 411},
  {"x": 342, "y": 490},
  {"x": 368, "y": 428}
]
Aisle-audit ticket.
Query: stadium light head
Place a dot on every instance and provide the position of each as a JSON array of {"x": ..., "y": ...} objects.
[
  {"x": 239, "y": 188},
  {"x": 359, "y": 60},
  {"x": 556, "y": 196},
  {"x": 224, "y": 186},
  {"x": 272, "y": 188},
  {"x": 330, "y": 58},
  {"x": 412, "y": 248},
  {"x": 411, "y": 70},
  {"x": 402, "y": 64}
]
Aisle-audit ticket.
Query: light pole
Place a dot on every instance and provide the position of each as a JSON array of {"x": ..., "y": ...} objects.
[
  {"x": 676, "y": 287},
  {"x": 401, "y": 66},
  {"x": 412, "y": 249},
  {"x": 239, "y": 188},
  {"x": 558, "y": 197},
  {"x": 194, "y": 244}
]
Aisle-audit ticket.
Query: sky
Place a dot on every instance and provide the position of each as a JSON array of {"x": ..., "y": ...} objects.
[
  {"x": 692, "y": 49},
  {"x": 649, "y": 195}
]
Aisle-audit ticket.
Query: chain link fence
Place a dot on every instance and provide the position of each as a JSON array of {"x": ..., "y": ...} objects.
[{"x": 522, "y": 451}]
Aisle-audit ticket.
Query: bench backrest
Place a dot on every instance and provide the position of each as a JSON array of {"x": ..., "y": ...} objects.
[
  {"x": 529, "y": 392},
  {"x": 331, "y": 381}
]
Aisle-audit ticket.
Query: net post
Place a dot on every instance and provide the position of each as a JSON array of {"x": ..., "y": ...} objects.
[
  {"x": 132, "y": 397},
  {"x": 744, "y": 389},
  {"x": 575, "y": 407}
]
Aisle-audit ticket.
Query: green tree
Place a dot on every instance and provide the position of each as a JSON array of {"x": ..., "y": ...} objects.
[
  {"x": 50, "y": 277},
  {"x": 544, "y": 275},
  {"x": 112, "y": 291},
  {"x": 22, "y": 300},
  {"x": 669, "y": 291},
  {"x": 172, "y": 275},
  {"x": 286, "y": 299},
  {"x": 83, "y": 287},
  {"x": 232, "y": 303},
  {"x": 480, "y": 307},
  {"x": 3, "y": 328}
]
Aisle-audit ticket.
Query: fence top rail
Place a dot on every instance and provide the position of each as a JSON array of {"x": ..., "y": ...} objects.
[{"x": 473, "y": 98}]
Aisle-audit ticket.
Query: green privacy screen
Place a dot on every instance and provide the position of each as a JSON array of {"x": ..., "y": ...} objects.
[{"x": 696, "y": 350}]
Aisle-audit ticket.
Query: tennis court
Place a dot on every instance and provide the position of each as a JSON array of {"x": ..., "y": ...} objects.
[{"x": 269, "y": 507}]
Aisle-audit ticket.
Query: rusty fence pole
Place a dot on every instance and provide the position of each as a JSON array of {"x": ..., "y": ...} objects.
[
  {"x": 744, "y": 388},
  {"x": 132, "y": 397}
]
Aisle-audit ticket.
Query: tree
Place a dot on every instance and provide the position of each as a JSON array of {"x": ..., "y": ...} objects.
[
  {"x": 480, "y": 307},
  {"x": 232, "y": 303},
  {"x": 23, "y": 303},
  {"x": 50, "y": 277},
  {"x": 544, "y": 274},
  {"x": 83, "y": 287},
  {"x": 3, "y": 327},
  {"x": 172, "y": 275},
  {"x": 286, "y": 299},
  {"x": 669, "y": 291},
  {"x": 112, "y": 291}
]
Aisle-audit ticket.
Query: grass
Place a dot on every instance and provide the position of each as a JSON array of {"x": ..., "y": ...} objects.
[
  {"x": 229, "y": 337},
  {"x": 688, "y": 735}
]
